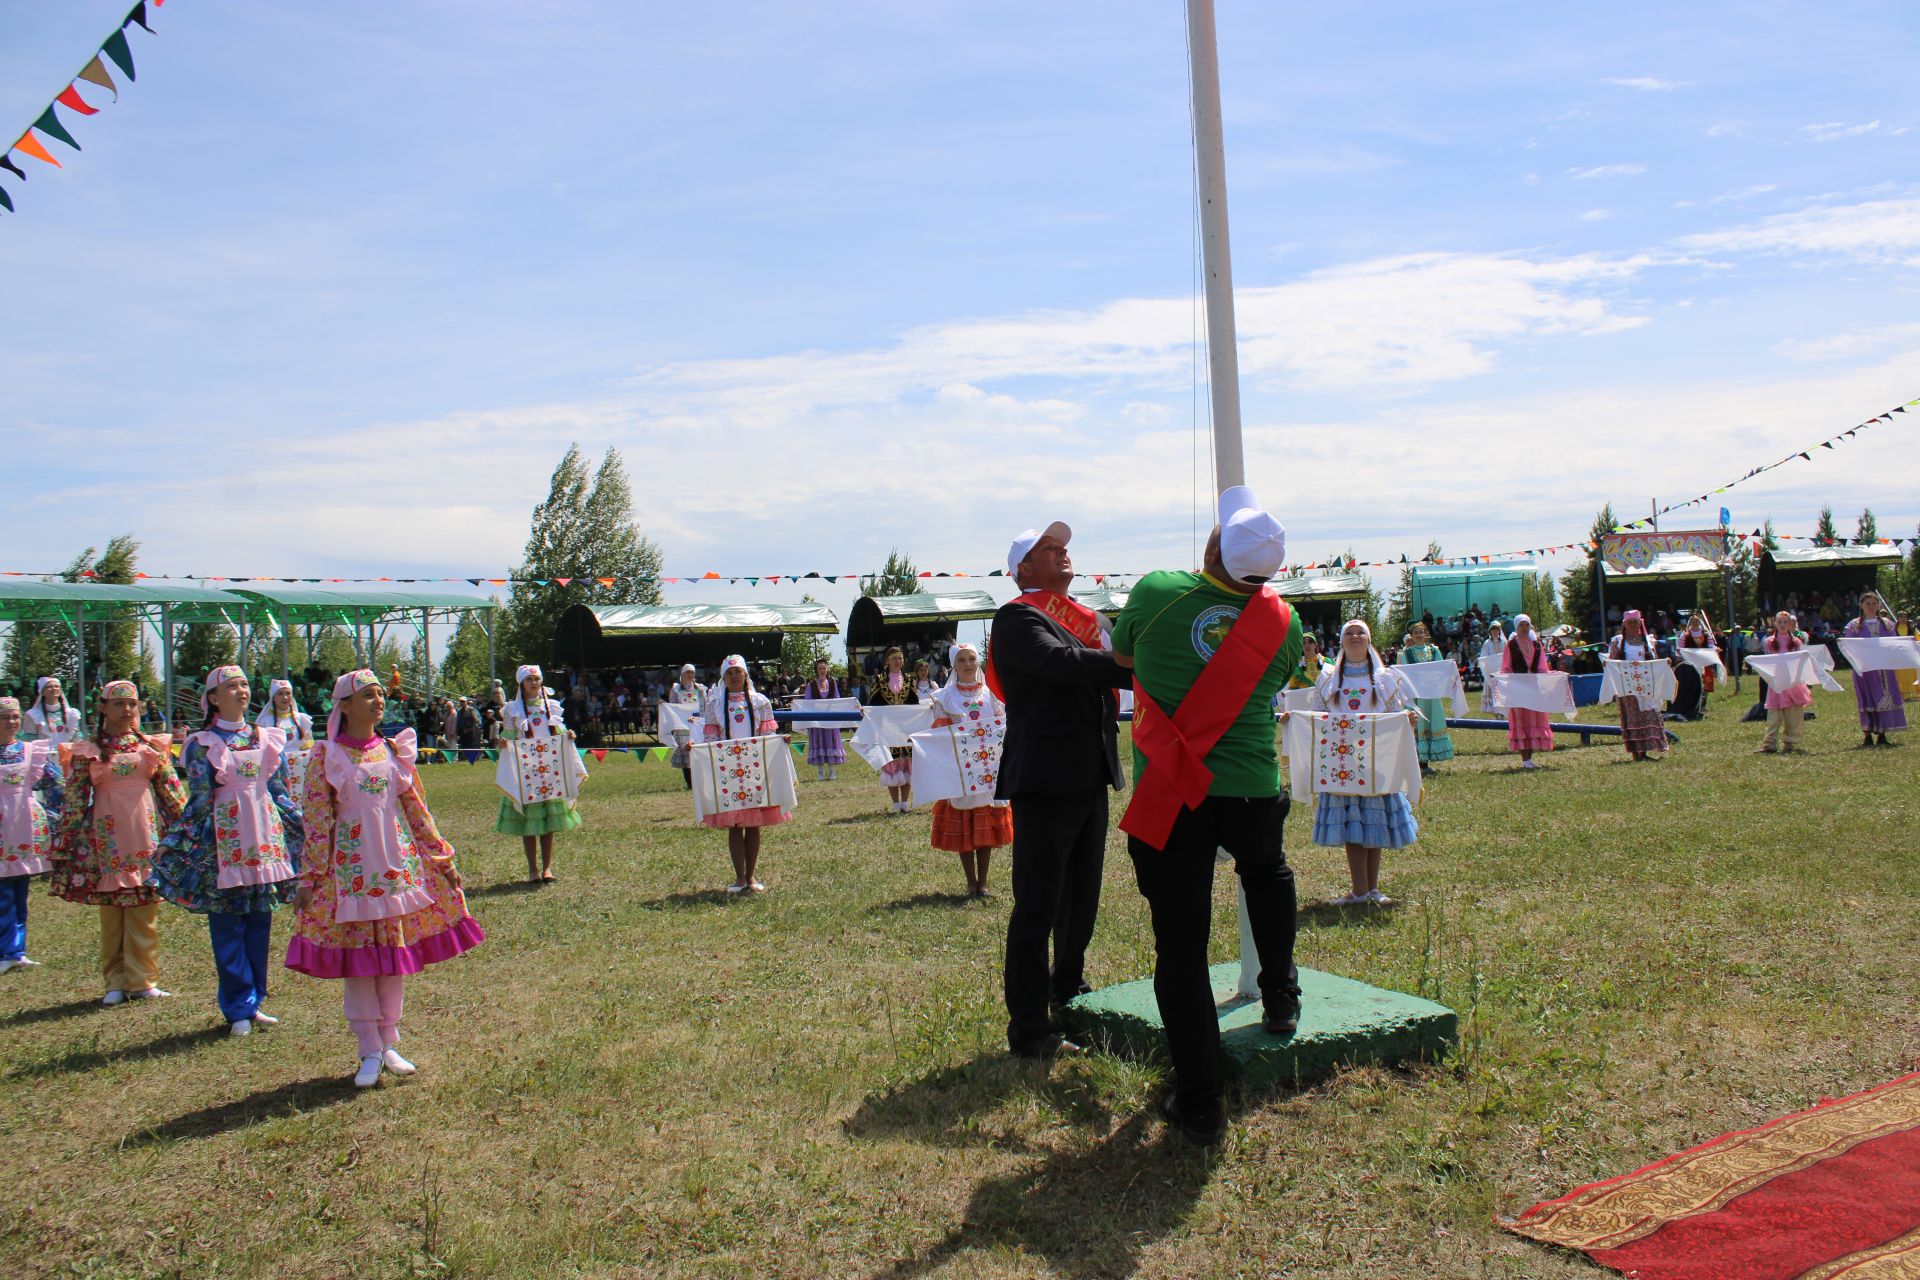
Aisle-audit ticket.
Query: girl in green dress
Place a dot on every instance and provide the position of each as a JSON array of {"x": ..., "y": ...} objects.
[
  {"x": 1430, "y": 732},
  {"x": 531, "y": 713}
]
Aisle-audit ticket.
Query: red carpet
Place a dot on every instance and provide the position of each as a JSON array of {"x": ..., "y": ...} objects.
[{"x": 1828, "y": 1193}]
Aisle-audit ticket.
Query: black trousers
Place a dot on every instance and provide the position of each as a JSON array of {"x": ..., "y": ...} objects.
[
  {"x": 1177, "y": 883},
  {"x": 1059, "y": 850}
]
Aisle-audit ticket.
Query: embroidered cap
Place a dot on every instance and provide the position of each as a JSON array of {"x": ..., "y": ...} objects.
[
  {"x": 1024, "y": 544},
  {"x": 345, "y": 687},
  {"x": 40, "y": 688},
  {"x": 953, "y": 652},
  {"x": 1253, "y": 545},
  {"x": 119, "y": 689},
  {"x": 215, "y": 678},
  {"x": 530, "y": 669},
  {"x": 9, "y": 703}
]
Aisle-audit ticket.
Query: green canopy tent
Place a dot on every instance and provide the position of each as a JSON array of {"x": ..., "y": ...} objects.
[
  {"x": 930, "y": 619},
  {"x": 1317, "y": 597},
  {"x": 282, "y": 608},
  {"x": 622, "y": 635},
  {"x": 1668, "y": 581},
  {"x": 1107, "y": 600},
  {"x": 73, "y": 605},
  {"x": 1449, "y": 590}
]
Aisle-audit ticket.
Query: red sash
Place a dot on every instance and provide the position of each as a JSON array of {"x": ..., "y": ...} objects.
[
  {"x": 1176, "y": 747},
  {"x": 1081, "y": 622}
]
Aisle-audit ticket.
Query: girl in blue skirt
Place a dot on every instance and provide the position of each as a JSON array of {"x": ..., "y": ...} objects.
[{"x": 1359, "y": 680}]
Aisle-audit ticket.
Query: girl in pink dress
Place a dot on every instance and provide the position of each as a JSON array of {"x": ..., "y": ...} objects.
[
  {"x": 737, "y": 710},
  {"x": 30, "y": 795},
  {"x": 379, "y": 894},
  {"x": 1786, "y": 708},
  {"x": 122, "y": 792},
  {"x": 1527, "y": 731}
]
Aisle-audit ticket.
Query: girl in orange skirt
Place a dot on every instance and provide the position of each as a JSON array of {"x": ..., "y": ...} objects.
[{"x": 972, "y": 827}]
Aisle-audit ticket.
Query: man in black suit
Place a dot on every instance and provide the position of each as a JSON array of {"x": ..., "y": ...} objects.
[{"x": 1046, "y": 665}]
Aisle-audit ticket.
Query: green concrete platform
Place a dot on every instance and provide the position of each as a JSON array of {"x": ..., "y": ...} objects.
[{"x": 1342, "y": 1023}]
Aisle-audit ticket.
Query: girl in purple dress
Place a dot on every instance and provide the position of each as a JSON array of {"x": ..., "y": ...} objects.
[
  {"x": 826, "y": 750},
  {"x": 1876, "y": 692}
]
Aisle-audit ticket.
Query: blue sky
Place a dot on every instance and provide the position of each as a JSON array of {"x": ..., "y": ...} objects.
[{"x": 838, "y": 279}]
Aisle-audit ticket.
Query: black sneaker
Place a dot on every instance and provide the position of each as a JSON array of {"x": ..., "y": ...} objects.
[
  {"x": 1201, "y": 1130},
  {"x": 1282, "y": 1017},
  {"x": 1052, "y": 1045}
]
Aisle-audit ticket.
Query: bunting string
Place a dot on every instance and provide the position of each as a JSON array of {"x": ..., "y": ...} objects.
[
  {"x": 1114, "y": 578},
  {"x": 48, "y": 123}
]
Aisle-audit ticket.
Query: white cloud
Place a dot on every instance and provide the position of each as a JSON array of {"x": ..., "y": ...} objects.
[
  {"x": 1835, "y": 130},
  {"x": 1850, "y": 346},
  {"x": 1607, "y": 171},
  {"x": 1882, "y": 231},
  {"x": 1744, "y": 193},
  {"x": 1646, "y": 84},
  {"x": 1596, "y": 215},
  {"x": 1726, "y": 129}
]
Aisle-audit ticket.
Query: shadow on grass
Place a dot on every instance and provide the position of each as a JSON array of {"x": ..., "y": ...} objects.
[
  {"x": 931, "y": 899},
  {"x": 1144, "y": 1188},
  {"x": 505, "y": 888},
  {"x": 54, "y": 1012},
  {"x": 944, "y": 1108},
  {"x": 289, "y": 1099},
  {"x": 696, "y": 898},
  {"x": 1331, "y": 913},
  {"x": 92, "y": 1059}
]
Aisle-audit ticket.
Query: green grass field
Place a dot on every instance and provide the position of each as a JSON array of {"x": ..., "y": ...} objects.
[{"x": 637, "y": 1077}]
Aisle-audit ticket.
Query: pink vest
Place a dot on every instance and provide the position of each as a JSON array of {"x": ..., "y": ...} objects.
[
  {"x": 125, "y": 824},
  {"x": 249, "y": 840},
  {"x": 377, "y": 872},
  {"x": 23, "y": 820}
]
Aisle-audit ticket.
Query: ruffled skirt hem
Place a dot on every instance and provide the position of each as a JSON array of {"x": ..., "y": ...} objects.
[
  {"x": 316, "y": 961},
  {"x": 1375, "y": 822},
  {"x": 964, "y": 830},
  {"x": 770, "y": 815},
  {"x": 545, "y": 818}
]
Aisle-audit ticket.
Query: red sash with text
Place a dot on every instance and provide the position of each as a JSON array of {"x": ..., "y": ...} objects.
[
  {"x": 1176, "y": 746},
  {"x": 1081, "y": 622}
]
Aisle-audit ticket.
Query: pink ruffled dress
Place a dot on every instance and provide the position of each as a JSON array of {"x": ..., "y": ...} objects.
[
  {"x": 741, "y": 723},
  {"x": 385, "y": 898}
]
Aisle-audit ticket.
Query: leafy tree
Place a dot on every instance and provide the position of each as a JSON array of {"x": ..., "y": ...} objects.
[
  {"x": 30, "y": 654},
  {"x": 1400, "y": 614},
  {"x": 200, "y": 648},
  {"x": 1824, "y": 533},
  {"x": 1867, "y": 532},
  {"x": 334, "y": 650},
  {"x": 898, "y": 578},
  {"x": 110, "y": 646},
  {"x": 799, "y": 650},
  {"x": 1743, "y": 570},
  {"x": 1579, "y": 589},
  {"x": 583, "y": 531},
  {"x": 463, "y": 668},
  {"x": 1538, "y": 600}
]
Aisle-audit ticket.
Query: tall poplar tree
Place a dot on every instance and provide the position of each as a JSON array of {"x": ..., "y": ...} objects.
[{"x": 583, "y": 531}]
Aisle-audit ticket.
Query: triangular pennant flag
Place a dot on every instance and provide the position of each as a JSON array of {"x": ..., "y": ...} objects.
[
  {"x": 6, "y": 201},
  {"x": 71, "y": 99},
  {"x": 94, "y": 73},
  {"x": 492, "y": 754},
  {"x": 831, "y": 578},
  {"x": 49, "y": 124},
  {"x": 605, "y": 582},
  {"x": 753, "y": 582},
  {"x": 564, "y": 581},
  {"x": 116, "y": 48},
  {"x": 6, "y": 162},
  {"x": 31, "y": 145},
  {"x": 1827, "y": 445},
  {"x": 1808, "y": 457},
  {"x": 476, "y": 581},
  {"x": 138, "y": 15},
  {"x": 596, "y": 753}
]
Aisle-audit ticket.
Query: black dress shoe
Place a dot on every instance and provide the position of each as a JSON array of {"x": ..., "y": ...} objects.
[
  {"x": 1051, "y": 1045},
  {"x": 1205, "y": 1130},
  {"x": 1282, "y": 1017}
]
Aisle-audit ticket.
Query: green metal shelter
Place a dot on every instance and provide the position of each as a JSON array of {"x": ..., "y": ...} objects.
[
  {"x": 615, "y": 635},
  {"x": 930, "y": 619},
  {"x": 73, "y": 605}
]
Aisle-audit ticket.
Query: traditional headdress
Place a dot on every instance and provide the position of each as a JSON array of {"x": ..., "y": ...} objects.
[
  {"x": 40, "y": 689},
  {"x": 1633, "y": 615},
  {"x": 119, "y": 689},
  {"x": 717, "y": 699},
  {"x": 9, "y": 703},
  {"x": 528, "y": 669},
  {"x": 215, "y": 678},
  {"x": 345, "y": 687}
]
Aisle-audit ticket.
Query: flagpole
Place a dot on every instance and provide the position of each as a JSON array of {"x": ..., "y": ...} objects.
[
  {"x": 1210, "y": 157},
  {"x": 1223, "y": 358}
]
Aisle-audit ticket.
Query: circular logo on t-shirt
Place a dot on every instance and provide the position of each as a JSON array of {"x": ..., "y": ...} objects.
[{"x": 1210, "y": 627}]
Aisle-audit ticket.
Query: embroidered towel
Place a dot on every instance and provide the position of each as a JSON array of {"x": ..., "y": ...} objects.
[
  {"x": 1651, "y": 684},
  {"x": 742, "y": 773},
  {"x": 1355, "y": 753},
  {"x": 538, "y": 769}
]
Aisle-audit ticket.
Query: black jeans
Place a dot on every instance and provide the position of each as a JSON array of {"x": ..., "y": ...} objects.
[
  {"x": 1059, "y": 850},
  {"x": 1177, "y": 883}
]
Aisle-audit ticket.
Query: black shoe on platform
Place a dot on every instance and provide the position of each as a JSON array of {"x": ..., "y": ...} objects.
[
  {"x": 1282, "y": 1018},
  {"x": 1205, "y": 1130},
  {"x": 1050, "y": 1046}
]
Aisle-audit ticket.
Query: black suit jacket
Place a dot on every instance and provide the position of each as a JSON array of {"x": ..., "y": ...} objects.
[{"x": 1062, "y": 715}]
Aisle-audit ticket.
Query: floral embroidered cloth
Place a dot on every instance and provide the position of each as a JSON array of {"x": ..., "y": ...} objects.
[
  {"x": 26, "y": 769},
  {"x": 1651, "y": 684},
  {"x": 884, "y": 728},
  {"x": 122, "y": 794},
  {"x": 377, "y": 871},
  {"x": 734, "y": 774},
  {"x": 535, "y": 770},
  {"x": 1352, "y": 753}
]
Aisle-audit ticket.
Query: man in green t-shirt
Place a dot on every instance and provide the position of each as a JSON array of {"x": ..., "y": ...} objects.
[{"x": 1172, "y": 628}]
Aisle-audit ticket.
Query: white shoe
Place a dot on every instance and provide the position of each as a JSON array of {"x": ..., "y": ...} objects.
[
  {"x": 27, "y": 962},
  {"x": 112, "y": 998},
  {"x": 754, "y": 886},
  {"x": 368, "y": 1075},
  {"x": 735, "y": 890},
  {"x": 1349, "y": 900},
  {"x": 1379, "y": 899},
  {"x": 265, "y": 1019},
  {"x": 241, "y": 1028},
  {"x": 151, "y": 993},
  {"x": 1528, "y": 764},
  {"x": 391, "y": 1059},
  {"x": 7, "y": 964}
]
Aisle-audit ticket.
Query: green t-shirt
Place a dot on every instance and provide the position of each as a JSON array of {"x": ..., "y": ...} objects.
[{"x": 1171, "y": 625}]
